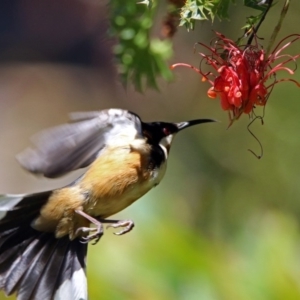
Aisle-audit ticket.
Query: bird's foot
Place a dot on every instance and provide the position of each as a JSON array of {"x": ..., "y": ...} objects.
[
  {"x": 97, "y": 231},
  {"x": 95, "y": 237},
  {"x": 128, "y": 224}
]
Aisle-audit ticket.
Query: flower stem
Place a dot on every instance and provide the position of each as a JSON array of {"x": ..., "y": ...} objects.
[
  {"x": 255, "y": 30},
  {"x": 278, "y": 26}
]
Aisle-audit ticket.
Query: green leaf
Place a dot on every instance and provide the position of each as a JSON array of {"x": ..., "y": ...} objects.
[
  {"x": 201, "y": 10},
  {"x": 140, "y": 59}
]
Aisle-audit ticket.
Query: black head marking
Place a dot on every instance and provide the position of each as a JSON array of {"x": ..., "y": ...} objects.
[{"x": 156, "y": 131}]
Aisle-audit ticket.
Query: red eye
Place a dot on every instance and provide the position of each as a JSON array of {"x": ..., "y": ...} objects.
[{"x": 166, "y": 131}]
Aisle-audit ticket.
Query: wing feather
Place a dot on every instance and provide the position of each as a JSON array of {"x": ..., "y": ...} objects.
[{"x": 75, "y": 145}]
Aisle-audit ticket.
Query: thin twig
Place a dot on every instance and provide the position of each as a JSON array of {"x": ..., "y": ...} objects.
[
  {"x": 278, "y": 26},
  {"x": 255, "y": 30}
]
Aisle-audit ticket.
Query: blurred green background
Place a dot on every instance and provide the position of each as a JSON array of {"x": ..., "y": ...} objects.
[{"x": 222, "y": 224}]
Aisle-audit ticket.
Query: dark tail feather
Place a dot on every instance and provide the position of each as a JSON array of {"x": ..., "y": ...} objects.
[
  {"x": 35, "y": 264},
  {"x": 16, "y": 210}
]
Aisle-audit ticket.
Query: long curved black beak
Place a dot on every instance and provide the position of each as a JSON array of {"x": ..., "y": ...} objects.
[{"x": 186, "y": 124}]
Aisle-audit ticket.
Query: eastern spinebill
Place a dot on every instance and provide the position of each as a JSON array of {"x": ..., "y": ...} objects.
[{"x": 44, "y": 236}]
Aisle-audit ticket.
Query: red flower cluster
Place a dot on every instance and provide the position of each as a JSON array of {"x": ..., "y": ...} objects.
[{"x": 242, "y": 72}]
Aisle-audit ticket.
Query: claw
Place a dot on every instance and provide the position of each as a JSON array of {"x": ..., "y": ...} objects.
[
  {"x": 83, "y": 230},
  {"x": 98, "y": 230},
  {"x": 94, "y": 236},
  {"x": 128, "y": 224}
]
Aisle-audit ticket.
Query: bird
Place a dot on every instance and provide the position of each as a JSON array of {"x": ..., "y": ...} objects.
[{"x": 44, "y": 236}]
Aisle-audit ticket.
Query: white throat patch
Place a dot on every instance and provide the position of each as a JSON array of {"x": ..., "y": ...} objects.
[{"x": 165, "y": 144}]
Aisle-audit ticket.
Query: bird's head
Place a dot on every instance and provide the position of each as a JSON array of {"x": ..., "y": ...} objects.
[{"x": 162, "y": 133}]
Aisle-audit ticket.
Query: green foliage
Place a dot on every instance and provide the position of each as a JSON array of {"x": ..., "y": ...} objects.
[
  {"x": 200, "y": 10},
  {"x": 140, "y": 58},
  {"x": 253, "y": 20}
]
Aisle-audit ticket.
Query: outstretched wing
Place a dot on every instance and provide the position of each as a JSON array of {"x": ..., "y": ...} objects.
[{"x": 75, "y": 145}]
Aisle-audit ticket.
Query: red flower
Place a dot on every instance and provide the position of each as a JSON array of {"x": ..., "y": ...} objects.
[{"x": 241, "y": 73}]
